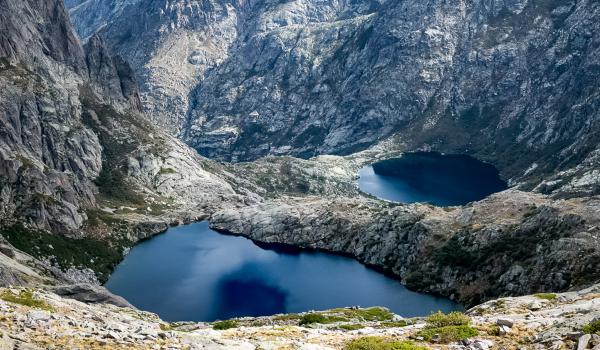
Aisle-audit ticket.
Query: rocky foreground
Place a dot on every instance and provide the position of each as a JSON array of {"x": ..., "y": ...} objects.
[{"x": 40, "y": 319}]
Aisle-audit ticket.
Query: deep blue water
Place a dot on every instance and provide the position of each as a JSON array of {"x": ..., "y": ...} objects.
[
  {"x": 442, "y": 180},
  {"x": 195, "y": 274}
]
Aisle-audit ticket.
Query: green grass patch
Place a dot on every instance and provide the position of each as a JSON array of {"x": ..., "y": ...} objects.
[
  {"x": 99, "y": 255},
  {"x": 447, "y": 328},
  {"x": 546, "y": 296},
  {"x": 447, "y": 334},
  {"x": 394, "y": 324},
  {"x": 351, "y": 327},
  {"x": 380, "y": 343},
  {"x": 25, "y": 297},
  {"x": 370, "y": 314},
  {"x": 592, "y": 327},
  {"x": 454, "y": 318},
  {"x": 313, "y": 318},
  {"x": 223, "y": 325}
]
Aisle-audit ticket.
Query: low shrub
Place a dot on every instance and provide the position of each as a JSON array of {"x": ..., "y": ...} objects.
[
  {"x": 351, "y": 327},
  {"x": 380, "y": 343},
  {"x": 393, "y": 324},
  {"x": 165, "y": 327},
  {"x": 454, "y": 318},
  {"x": 223, "y": 325},
  {"x": 447, "y": 334},
  {"x": 312, "y": 318},
  {"x": 592, "y": 327},
  {"x": 447, "y": 328}
]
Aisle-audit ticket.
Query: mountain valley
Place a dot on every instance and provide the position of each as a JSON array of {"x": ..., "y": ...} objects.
[{"x": 120, "y": 119}]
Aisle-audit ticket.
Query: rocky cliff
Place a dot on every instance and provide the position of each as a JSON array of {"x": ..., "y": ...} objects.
[
  {"x": 239, "y": 80},
  {"x": 75, "y": 147}
]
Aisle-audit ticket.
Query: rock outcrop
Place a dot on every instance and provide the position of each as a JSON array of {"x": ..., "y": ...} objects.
[
  {"x": 90, "y": 294},
  {"x": 511, "y": 243},
  {"x": 529, "y": 321}
]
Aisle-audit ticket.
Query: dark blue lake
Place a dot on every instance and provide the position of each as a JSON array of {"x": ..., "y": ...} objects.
[
  {"x": 195, "y": 274},
  {"x": 442, "y": 180}
]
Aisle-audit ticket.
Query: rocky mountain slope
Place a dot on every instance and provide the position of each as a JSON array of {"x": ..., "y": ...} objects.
[
  {"x": 38, "y": 319},
  {"x": 75, "y": 146},
  {"x": 239, "y": 80}
]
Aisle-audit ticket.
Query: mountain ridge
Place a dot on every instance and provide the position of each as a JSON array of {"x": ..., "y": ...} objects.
[{"x": 302, "y": 78}]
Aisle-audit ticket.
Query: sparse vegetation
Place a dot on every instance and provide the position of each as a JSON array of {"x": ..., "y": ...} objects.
[
  {"x": 99, "y": 255},
  {"x": 25, "y": 297},
  {"x": 394, "y": 324},
  {"x": 166, "y": 171},
  {"x": 165, "y": 327},
  {"x": 347, "y": 315},
  {"x": 380, "y": 343},
  {"x": 223, "y": 325},
  {"x": 454, "y": 318},
  {"x": 287, "y": 317},
  {"x": 592, "y": 327},
  {"x": 546, "y": 296},
  {"x": 113, "y": 184},
  {"x": 319, "y": 318},
  {"x": 447, "y": 334},
  {"x": 447, "y": 328},
  {"x": 26, "y": 163},
  {"x": 369, "y": 314},
  {"x": 96, "y": 217},
  {"x": 112, "y": 180},
  {"x": 351, "y": 326}
]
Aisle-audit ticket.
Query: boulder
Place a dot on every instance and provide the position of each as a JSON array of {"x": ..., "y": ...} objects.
[
  {"x": 482, "y": 344},
  {"x": 91, "y": 294},
  {"x": 503, "y": 330},
  {"x": 505, "y": 322},
  {"x": 583, "y": 341},
  {"x": 534, "y": 306}
]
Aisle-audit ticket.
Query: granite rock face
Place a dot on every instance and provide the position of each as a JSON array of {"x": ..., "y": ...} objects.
[
  {"x": 75, "y": 148},
  {"x": 240, "y": 80},
  {"x": 45, "y": 175},
  {"x": 73, "y": 130}
]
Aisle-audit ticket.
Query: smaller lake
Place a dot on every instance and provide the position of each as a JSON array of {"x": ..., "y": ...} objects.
[
  {"x": 442, "y": 180},
  {"x": 192, "y": 273}
]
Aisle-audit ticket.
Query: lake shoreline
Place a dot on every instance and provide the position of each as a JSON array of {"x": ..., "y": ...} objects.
[{"x": 282, "y": 251}]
